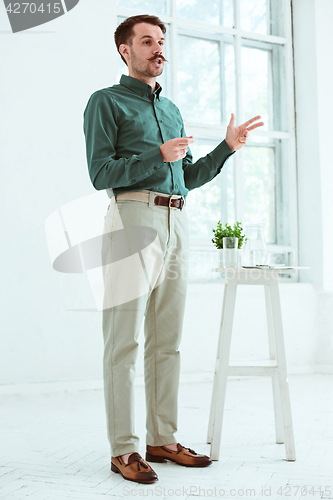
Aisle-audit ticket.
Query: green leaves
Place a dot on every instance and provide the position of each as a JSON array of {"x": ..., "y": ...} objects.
[{"x": 227, "y": 231}]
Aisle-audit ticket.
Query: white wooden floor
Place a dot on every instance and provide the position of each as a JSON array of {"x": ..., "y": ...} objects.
[{"x": 53, "y": 445}]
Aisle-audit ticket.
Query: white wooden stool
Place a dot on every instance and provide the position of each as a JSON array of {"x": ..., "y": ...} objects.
[{"x": 275, "y": 367}]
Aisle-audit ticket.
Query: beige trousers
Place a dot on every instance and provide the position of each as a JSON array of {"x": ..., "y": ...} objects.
[{"x": 147, "y": 280}]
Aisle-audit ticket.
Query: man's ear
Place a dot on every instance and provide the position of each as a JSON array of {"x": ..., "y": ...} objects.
[{"x": 123, "y": 49}]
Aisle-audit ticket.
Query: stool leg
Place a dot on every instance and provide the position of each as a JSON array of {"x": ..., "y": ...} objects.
[
  {"x": 279, "y": 429},
  {"x": 222, "y": 368},
  {"x": 216, "y": 373},
  {"x": 282, "y": 370}
]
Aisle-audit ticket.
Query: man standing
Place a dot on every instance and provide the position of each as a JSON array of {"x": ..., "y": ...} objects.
[{"x": 138, "y": 151}]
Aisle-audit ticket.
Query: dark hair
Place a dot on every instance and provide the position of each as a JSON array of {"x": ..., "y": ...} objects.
[{"x": 124, "y": 32}]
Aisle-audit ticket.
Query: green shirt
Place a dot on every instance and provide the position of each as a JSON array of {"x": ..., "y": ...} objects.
[{"x": 124, "y": 125}]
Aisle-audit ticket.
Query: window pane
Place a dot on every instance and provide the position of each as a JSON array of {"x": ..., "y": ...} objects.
[
  {"x": 210, "y": 11},
  {"x": 230, "y": 81},
  {"x": 257, "y": 87},
  {"x": 262, "y": 16},
  {"x": 213, "y": 201},
  {"x": 199, "y": 85},
  {"x": 254, "y": 16},
  {"x": 259, "y": 188},
  {"x": 146, "y": 6}
]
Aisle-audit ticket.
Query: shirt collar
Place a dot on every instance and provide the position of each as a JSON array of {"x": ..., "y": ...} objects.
[{"x": 139, "y": 87}]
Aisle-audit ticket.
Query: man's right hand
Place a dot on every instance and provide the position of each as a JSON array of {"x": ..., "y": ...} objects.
[{"x": 175, "y": 149}]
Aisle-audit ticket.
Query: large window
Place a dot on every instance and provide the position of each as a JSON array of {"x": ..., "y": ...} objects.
[{"x": 233, "y": 56}]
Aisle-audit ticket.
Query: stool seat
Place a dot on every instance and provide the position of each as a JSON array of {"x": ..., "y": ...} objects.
[{"x": 274, "y": 367}]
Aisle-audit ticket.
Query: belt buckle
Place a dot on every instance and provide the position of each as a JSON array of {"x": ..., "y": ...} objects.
[{"x": 172, "y": 197}]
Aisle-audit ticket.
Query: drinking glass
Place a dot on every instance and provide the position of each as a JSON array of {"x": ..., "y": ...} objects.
[{"x": 230, "y": 252}]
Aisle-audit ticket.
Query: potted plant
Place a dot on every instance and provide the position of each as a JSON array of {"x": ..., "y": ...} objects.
[{"x": 228, "y": 231}]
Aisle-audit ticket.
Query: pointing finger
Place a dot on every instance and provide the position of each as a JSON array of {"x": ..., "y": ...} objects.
[
  {"x": 251, "y": 120},
  {"x": 185, "y": 141},
  {"x": 255, "y": 126}
]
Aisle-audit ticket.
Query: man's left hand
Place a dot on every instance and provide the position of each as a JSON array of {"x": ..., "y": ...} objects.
[{"x": 237, "y": 137}]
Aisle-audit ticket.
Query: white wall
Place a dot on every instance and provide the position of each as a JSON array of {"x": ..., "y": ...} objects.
[
  {"x": 47, "y": 76},
  {"x": 313, "y": 38}
]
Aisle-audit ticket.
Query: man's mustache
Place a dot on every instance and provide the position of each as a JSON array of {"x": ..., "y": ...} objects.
[{"x": 158, "y": 57}]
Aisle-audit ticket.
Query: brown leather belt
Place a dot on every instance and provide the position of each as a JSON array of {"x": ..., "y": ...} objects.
[{"x": 173, "y": 201}]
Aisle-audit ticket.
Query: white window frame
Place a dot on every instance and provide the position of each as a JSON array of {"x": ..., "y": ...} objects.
[{"x": 286, "y": 166}]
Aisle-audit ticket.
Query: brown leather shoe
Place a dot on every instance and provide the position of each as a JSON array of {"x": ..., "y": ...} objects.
[
  {"x": 135, "y": 470},
  {"x": 183, "y": 456}
]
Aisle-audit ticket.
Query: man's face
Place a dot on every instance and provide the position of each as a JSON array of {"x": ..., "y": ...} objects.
[{"x": 147, "y": 44}]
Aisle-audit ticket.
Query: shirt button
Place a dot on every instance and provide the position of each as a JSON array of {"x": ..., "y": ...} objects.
[
  {"x": 176, "y": 186},
  {"x": 132, "y": 181},
  {"x": 171, "y": 164},
  {"x": 155, "y": 168},
  {"x": 160, "y": 121}
]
